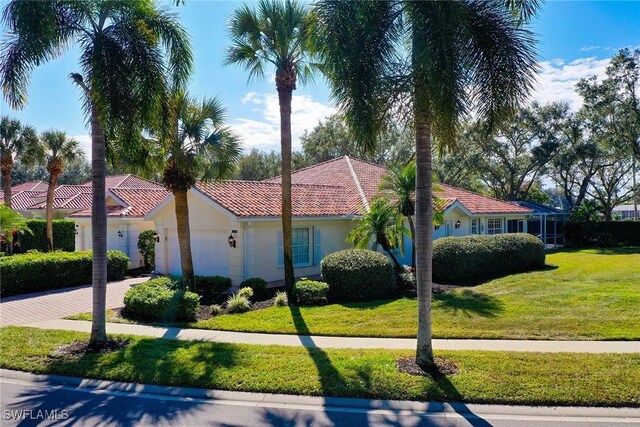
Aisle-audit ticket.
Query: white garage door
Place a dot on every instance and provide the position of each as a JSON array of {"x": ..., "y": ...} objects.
[{"x": 210, "y": 252}]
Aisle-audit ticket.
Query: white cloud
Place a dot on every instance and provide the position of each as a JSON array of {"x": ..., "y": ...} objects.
[
  {"x": 264, "y": 134},
  {"x": 85, "y": 143},
  {"x": 589, "y": 48},
  {"x": 557, "y": 79}
]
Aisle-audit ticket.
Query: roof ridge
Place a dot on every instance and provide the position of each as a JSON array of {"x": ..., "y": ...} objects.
[
  {"x": 269, "y": 183},
  {"x": 363, "y": 197},
  {"x": 357, "y": 159},
  {"x": 475, "y": 194}
]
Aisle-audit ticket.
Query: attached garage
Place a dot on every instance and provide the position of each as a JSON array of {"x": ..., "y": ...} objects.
[{"x": 209, "y": 249}]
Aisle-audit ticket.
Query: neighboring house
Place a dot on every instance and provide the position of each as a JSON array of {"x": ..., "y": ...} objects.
[
  {"x": 129, "y": 199},
  {"x": 326, "y": 199},
  {"x": 623, "y": 212}
]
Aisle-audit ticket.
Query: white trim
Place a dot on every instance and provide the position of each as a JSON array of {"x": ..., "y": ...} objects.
[
  {"x": 297, "y": 218},
  {"x": 358, "y": 186}
]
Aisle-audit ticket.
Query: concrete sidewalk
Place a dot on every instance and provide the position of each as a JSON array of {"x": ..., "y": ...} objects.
[{"x": 347, "y": 342}]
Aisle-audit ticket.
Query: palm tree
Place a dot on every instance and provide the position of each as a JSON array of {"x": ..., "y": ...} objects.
[
  {"x": 127, "y": 50},
  {"x": 15, "y": 138},
  {"x": 57, "y": 151},
  {"x": 433, "y": 61},
  {"x": 275, "y": 34},
  {"x": 11, "y": 222},
  {"x": 196, "y": 146},
  {"x": 381, "y": 225}
]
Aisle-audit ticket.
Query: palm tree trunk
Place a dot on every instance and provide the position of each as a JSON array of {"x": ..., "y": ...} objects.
[
  {"x": 424, "y": 239},
  {"x": 53, "y": 181},
  {"x": 412, "y": 229},
  {"x": 184, "y": 238},
  {"x": 284, "y": 98},
  {"x": 6, "y": 163},
  {"x": 98, "y": 230}
]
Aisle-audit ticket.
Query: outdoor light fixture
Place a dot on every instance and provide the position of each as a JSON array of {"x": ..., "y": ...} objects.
[
  {"x": 156, "y": 237},
  {"x": 458, "y": 223},
  {"x": 120, "y": 233},
  {"x": 232, "y": 241}
]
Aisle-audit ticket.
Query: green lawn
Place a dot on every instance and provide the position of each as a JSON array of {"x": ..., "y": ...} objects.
[
  {"x": 487, "y": 377},
  {"x": 592, "y": 295}
]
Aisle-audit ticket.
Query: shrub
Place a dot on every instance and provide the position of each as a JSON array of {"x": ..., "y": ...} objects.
[
  {"x": 216, "y": 310},
  {"x": 310, "y": 292},
  {"x": 458, "y": 260},
  {"x": 64, "y": 236},
  {"x": 53, "y": 270},
  {"x": 259, "y": 286},
  {"x": 160, "y": 300},
  {"x": 211, "y": 288},
  {"x": 147, "y": 247},
  {"x": 281, "y": 299},
  {"x": 246, "y": 293},
  {"x": 358, "y": 275},
  {"x": 614, "y": 233},
  {"x": 238, "y": 304},
  {"x": 406, "y": 278}
]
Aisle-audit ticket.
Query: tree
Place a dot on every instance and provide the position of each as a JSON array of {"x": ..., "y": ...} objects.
[
  {"x": 459, "y": 168},
  {"x": 15, "y": 138},
  {"x": 275, "y": 34},
  {"x": 437, "y": 59},
  {"x": 587, "y": 211},
  {"x": 380, "y": 225},
  {"x": 195, "y": 146},
  {"x": 258, "y": 165},
  {"x": 128, "y": 53},
  {"x": 11, "y": 222},
  {"x": 56, "y": 151},
  {"x": 611, "y": 187}
]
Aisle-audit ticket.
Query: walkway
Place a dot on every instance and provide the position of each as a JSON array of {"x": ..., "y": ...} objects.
[
  {"x": 55, "y": 304},
  {"x": 347, "y": 342}
]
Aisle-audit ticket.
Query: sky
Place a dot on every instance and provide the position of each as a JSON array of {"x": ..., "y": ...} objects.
[{"x": 576, "y": 40}]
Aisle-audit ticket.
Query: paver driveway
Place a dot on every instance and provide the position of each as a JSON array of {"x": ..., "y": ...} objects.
[{"x": 56, "y": 304}]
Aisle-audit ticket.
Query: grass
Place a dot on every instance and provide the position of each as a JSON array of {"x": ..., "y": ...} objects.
[
  {"x": 592, "y": 295},
  {"x": 485, "y": 377}
]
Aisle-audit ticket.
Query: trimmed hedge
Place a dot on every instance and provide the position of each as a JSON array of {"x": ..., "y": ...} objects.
[
  {"x": 310, "y": 292},
  {"x": 358, "y": 275},
  {"x": 21, "y": 274},
  {"x": 259, "y": 287},
  {"x": 64, "y": 236},
  {"x": 458, "y": 260},
  {"x": 613, "y": 233},
  {"x": 212, "y": 288},
  {"x": 160, "y": 300}
]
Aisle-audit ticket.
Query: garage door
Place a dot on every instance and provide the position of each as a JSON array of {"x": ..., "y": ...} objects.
[{"x": 210, "y": 252}]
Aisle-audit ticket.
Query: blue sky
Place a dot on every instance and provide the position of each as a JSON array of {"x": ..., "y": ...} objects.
[{"x": 576, "y": 40}]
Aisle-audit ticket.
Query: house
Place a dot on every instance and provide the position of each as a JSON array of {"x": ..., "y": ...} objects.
[
  {"x": 129, "y": 199},
  {"x": 623, "y": 212},
  {"x": 236, "y": 228}
]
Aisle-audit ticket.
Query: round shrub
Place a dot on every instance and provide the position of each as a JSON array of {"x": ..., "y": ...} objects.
[
  {"x": 358, "y": 275},
  {"x": 460, "y": 260},
  {"x": 238, "y": 303},
  {"x": 259, "y": 287},
  {"x": 310, "y": 292},
  {"x": 212, "y": 288},
  {"x": 160, "y": 300}
]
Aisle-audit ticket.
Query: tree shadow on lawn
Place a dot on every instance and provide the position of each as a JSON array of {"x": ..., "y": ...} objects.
[{"x": 468, "y": 303}]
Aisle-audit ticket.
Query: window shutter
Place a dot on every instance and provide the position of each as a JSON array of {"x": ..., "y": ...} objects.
[
  {"x": 317, "y": 246},
  {"x": 280, "y": 249}
]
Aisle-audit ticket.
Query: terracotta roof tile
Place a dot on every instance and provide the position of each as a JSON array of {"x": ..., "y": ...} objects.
[
  {"x": 138, "y": 202},
  {"x": 128, "y": 181},
  {"x": 22, "y": 200}
]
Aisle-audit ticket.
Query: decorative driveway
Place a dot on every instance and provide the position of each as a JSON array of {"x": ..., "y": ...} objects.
[{"x": 59, "y": 303}]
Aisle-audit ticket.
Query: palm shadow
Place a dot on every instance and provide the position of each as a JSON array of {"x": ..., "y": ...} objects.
[{"x": 468, "y": 303}]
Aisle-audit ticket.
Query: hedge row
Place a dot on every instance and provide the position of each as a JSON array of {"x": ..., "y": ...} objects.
[
  {"x": 21, "y": 274},
  {"x": 64, "y": 236},
  {"x": 160, "y": 300},
  {"x": 459, "y": 260},
  {"x": 614, "y": 233}
]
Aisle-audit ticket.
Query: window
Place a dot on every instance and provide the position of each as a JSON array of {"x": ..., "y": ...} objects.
[
  {"x": 475, "y": 222},
  {"x": 300, "y": 246},
  {"x": 494, "y": 226}
]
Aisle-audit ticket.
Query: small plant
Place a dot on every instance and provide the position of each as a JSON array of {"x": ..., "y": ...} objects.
[
  {"x": 147, "y": 247},
  {"x": 238, "y": 303},
  {"x": 216, "y": 310},
  {"x": 259, "y": 286},
  {"x": 281, "y": 299},
  {"x": 310, "y": 292},
  {"x": 245, "y": 292}
]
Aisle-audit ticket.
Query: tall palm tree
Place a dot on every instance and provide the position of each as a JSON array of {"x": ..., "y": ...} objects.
[
  {"x": 127, "y": 50},
  {"x": 438, "y": 58},
  {"x": 195, "y": 146},
  {"x": 57, "y": 151},
  {"x": 275, "y": 34},
  {"x": 381, "y": 225},
  {"x": 15, "y": 138}
]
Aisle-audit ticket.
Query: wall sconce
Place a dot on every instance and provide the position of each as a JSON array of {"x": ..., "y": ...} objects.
[
  {"x": 458, "y": 223},
  {"x": 156, "y": 237},
  {"x": 232, "y": 241},
  {"x": 120, "y": 233}
]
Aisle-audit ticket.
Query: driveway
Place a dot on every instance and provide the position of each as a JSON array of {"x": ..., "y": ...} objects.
[{"x": 59, "y": 303}]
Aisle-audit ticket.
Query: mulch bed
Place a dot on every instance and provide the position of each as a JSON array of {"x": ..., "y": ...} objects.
[
  {"x": 80, "y": 348},
  {"x": 442, "y": 367},
  {"x": 204, "y": 311}
]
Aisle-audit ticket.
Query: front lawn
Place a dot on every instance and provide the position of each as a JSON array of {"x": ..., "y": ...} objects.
[
  {"x": 592, "y": 295},
  {"x": 484, "y": 377}
]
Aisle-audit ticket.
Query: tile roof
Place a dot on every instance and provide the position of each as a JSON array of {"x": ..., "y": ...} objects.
[
  {"x": 263, "y": 199},
  {"x": 128, "y": 181},
  {"x": 30, "y": 186},
  {"x": 478, "y": 204},
  {"x": 137, "y": 202},
  {"x": 22, "y": 200}
]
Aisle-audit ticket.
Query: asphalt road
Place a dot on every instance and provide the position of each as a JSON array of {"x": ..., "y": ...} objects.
[{"x": 31, "y": 403}]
